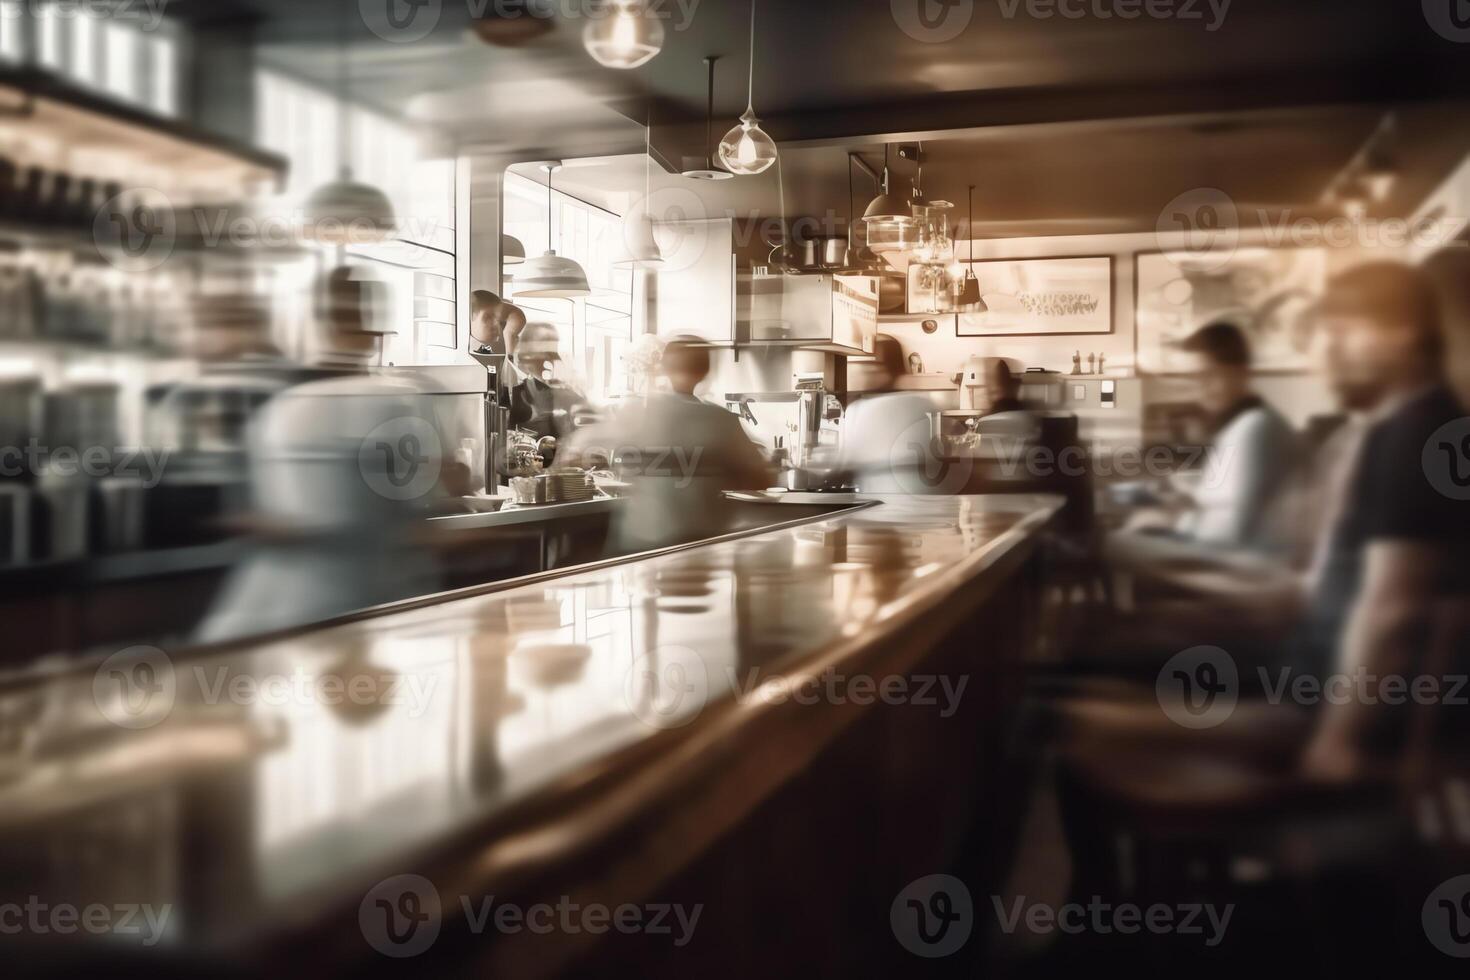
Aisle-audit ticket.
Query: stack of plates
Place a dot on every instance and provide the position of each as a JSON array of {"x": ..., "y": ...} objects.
[{"x": 571, "y": 487}]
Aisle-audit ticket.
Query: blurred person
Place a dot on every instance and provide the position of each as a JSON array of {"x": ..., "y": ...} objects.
[
  {"x": 679, "y": 453},
  {"x": 1002, "y": 387},
  {"x": 495, "y": 325},
  {"x": 1400, "y": 544},
  {"x": 886, "y": 433},
  {"x": 1250, "y": 600},
  {"x": 1251, "y": 454},
  {"x": 341, "y": 472},
  {"x": 542, "y": 403}
]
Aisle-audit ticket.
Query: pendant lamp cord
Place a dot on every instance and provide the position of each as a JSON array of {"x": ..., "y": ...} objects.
[
  {"x": 750, "y": 90},
  {"x": 549, "y": 240},
  {"x": 344, "y": 88},
  {"x": 970, "y": 230},
  {"x": 709, "y": 116}
]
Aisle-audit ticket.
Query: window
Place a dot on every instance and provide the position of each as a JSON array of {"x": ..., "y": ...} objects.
[
  {"x": 11, "y": 12},
  {"x": 595, "y": 331},
  {"x": 300, "y": 122},
  {"x": 163, "y": 54},
  {"x": 119, "y": 54},
  {"x": 122, "y": 44}
]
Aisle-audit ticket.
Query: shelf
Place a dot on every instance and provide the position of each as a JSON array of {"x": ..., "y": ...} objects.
[{"x": 53, "y": 109}]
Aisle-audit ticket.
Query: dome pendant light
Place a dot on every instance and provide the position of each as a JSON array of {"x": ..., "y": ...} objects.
[
  {"x": 627, "y": 35},
  {"x": 512, "y": 252},
  {"x": 969, "y": 298},
  {"x": 747, "y": 150},
  {"x": 345, "y": 211},
  {"x": 643, "y": 250},
  {"x": 710, "y": 172},
  {"x": 889, "y": 222},
  {"x": 550, "y": 276}
]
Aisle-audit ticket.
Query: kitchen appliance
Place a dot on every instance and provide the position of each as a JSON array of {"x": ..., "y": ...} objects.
[
  {"x": 972, "y": 385},
  {"x": 815, "y": 312}
]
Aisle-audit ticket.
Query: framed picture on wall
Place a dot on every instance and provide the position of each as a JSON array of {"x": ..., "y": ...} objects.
[
  {"x": 1267, "y": 291},
  {"x": 1055, "y": 297}
]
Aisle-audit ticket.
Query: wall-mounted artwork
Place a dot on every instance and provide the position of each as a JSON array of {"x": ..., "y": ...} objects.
[
  {"x": 1042, "y": 297},
  {"x": 1269, "y": 292}
]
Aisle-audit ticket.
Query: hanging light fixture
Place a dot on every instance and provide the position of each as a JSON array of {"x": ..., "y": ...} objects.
[
  {"x": 643, "y": 250},
  {"x": 710, "y": 172},
  {"x": 625, "y": 35},
  {"x": 512, "y": 252},
  {"x": 346, "y": 211},
  {"x": 889, "y": 222},
  {"x": 969, "y": 296},
  {"x": 747, "y": 150},
  {"x": 550, "y": 276}
]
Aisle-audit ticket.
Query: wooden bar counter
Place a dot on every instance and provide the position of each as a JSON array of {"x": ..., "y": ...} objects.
[{"x": 783, "y": 727}]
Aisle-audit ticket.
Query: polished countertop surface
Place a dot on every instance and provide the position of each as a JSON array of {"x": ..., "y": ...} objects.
[{"x": 259, "y": 784}]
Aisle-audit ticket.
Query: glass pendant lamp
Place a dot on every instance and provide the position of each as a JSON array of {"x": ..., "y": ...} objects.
[
  {"x": 888, "y": 223},
  {"x": 625, "y": 35},
  {"x": 747, "y": 150}
]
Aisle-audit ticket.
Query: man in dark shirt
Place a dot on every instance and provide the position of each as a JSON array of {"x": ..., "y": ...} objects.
[{"x": 1401, "y": 541}]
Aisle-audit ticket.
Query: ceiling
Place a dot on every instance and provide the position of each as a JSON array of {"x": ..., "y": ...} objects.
[
  {"x": 1088, "y": 123},
  {"x": 1069, "y": 179}
]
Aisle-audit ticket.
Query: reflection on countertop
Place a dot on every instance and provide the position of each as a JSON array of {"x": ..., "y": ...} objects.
[{"x": 252, "y": 786}]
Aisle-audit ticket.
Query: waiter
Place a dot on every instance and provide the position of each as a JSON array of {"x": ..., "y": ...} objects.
[{"x": 542, "y": 403}]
